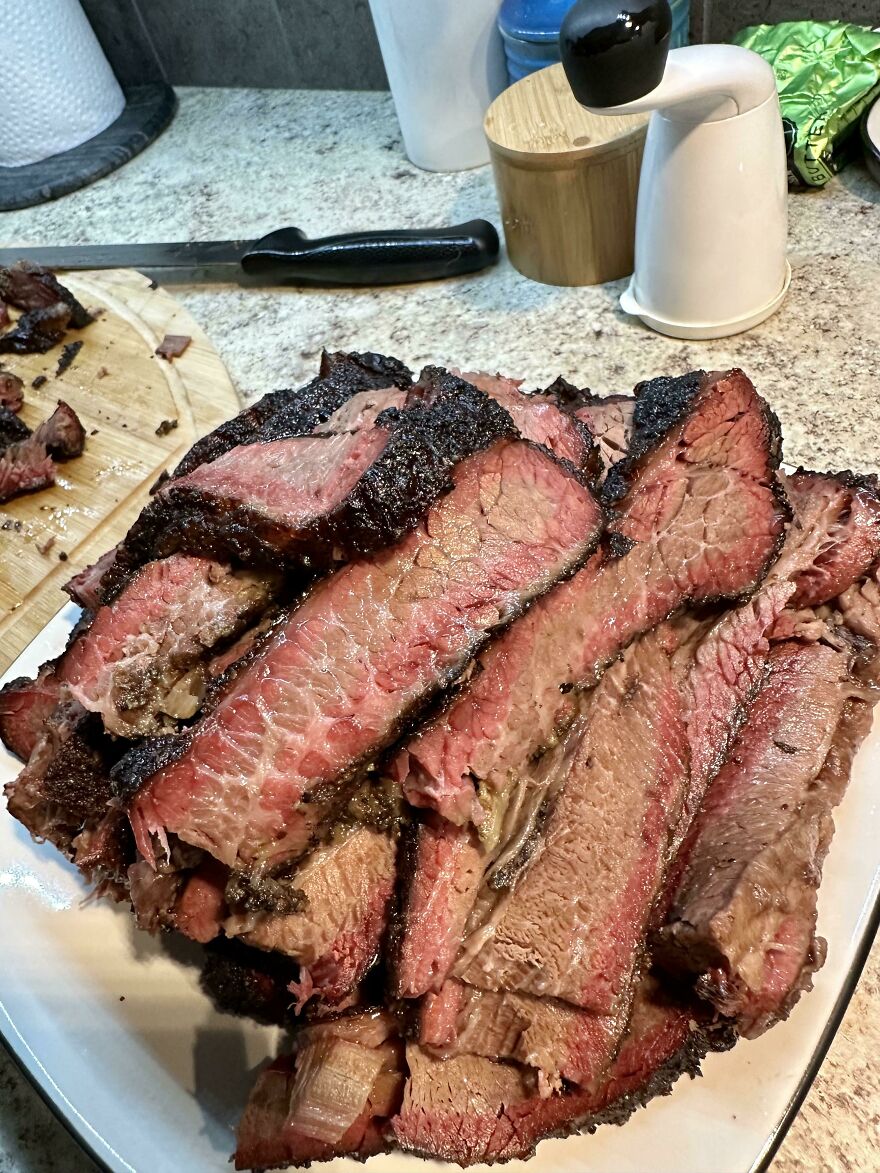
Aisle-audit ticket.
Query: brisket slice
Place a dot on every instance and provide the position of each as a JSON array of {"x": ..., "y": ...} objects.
[
  {"x": 337, "y": 391},
  {"x": 345, "y": 887},
  {"x": 63, "y": 793},
  {"x": 244, "y": 981},
  {"x": 441, "y": 879},
  {"x": 469, "y": 1109},
  {"x": 729, "y": 667},
  {"x": 610, "y": 421},
  {"x": 483, "y": 868},
  {"x": 359, "y": 657},
  {"x": 743, "y": 919},
  {"x": 85, "y": 587},
  {"x": 276, "y": 488},
  {"x": 832, "y": 539},
  {"x": 698, "y": 510},
  {"x": 297, "y": 413},
  {"x": 330, "y": 1098},
  {"x": 556, "y": 1039},
  {"x": 25, "y": 707},
  {"x": 541, "y": 417},
  {"x": 143, "y": 658},
  {"x": 572, "y": 927},
  {"x": 318, "y": 500},
  {"x": 138, "y": 662},
  {"x": 27, "y": 704},
  {"x": 845, "y": 509}
]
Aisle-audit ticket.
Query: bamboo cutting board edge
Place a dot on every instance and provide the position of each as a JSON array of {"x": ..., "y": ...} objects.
[{"x": 196, "y": 388}]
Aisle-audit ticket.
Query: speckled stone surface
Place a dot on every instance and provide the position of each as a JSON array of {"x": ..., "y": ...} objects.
[{"x": 237, "y": 163}]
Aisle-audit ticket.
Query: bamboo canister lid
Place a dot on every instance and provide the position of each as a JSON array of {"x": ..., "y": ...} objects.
[{"x": 567, "y": 181}]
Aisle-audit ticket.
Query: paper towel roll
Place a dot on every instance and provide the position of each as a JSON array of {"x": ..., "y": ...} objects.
[
  {"x": 56, "y": 88},
  {"x": 445, "y": 64}
]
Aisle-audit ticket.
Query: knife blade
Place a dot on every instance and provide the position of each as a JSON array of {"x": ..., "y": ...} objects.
[{"x": 289, "y": 257}]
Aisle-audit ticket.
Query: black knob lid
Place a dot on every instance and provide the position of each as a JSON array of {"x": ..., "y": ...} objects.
[{"x": 613, "y": 51}]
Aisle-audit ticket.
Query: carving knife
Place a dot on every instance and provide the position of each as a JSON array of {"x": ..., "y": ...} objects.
[{"x": 289, "y": 257}]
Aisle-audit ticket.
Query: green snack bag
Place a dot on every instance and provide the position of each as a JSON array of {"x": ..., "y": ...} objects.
[{"x": 827, "y": 73}]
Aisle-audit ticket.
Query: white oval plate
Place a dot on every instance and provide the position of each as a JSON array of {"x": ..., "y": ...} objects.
[{"x": 112, "y": 1028}]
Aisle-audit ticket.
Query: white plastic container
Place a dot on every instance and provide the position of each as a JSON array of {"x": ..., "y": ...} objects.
[
  {"x": 712, "y": 213},
  {"x": 710, "y": 250},
  {"x": 56, "y": 88},
  {"x": 445, "y": 64}
]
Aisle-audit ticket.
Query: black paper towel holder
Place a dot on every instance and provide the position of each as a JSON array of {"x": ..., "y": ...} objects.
[{"x": 148, "y": 111}]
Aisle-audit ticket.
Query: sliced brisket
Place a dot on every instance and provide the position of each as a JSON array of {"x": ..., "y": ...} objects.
[
  {"x": 573, "y": 925},
  {"x": 321, "y": 499},
  {"x": 743, "y": 918},
  {"x": 718, "y": 446},
  {"x": 465, "y": 1109},
  {"x": 63, "y": 792},
  {"x": 143, "y": 658},
  {"x": 469, "y": 1109},
  {"x": 346, "y": 392},
  {"x": 330, "y": 1098},
  {"x": 556, "y": 1039},
  {"x": 541, "y": 417},
  {"x": 443, "y": 878},
  {"x": 843, "y": 512},
  {"x": 345, "y": 888},
  {"x": 365, "y": 650},
  {"x": 25, "y": 707},
  {"x": 610, "y": 421},
  {"x": 297, "y": 413},
  {"x": 833, "y": 538}
]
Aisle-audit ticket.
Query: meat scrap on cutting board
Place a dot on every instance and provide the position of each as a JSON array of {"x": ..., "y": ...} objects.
[
  {"x": 488, "y": 741},
  {"x": 28, "y": 459}
]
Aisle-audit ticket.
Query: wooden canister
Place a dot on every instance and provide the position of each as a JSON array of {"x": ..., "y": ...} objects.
[{"x": 567, "y": 181}]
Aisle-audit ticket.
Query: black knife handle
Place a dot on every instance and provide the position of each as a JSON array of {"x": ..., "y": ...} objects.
[{"x": 288, "y": 257}]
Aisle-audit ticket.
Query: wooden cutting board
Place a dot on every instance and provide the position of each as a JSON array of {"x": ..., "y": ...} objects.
[{"x": 124, "y": 394}]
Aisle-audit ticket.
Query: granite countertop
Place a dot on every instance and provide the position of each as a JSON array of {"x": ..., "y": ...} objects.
[{"x": 237, "y": 163}]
